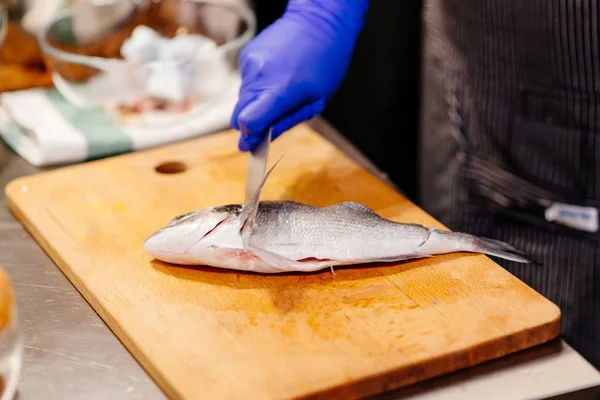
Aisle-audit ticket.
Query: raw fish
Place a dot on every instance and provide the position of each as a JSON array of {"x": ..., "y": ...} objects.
[{"x": 286, "y": 236}]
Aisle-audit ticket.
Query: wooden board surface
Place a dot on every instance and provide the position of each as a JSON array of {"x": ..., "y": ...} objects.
[
  {"x": 7, "y": 301},
  {"x": 21, "y": 61},
  {"x": 20, "y": 77},
  {"x": 208, "y": 333}
]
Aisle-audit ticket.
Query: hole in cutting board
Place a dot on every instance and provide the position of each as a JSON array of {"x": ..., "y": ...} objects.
[{"x": 171, "y": 167}]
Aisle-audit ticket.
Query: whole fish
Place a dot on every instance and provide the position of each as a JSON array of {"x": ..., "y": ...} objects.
[{"x": 286, "y": 236}]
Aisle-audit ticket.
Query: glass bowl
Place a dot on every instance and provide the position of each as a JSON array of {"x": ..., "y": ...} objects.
[
  {"x": 11, "y": 346},
  {"x": 147, "y": 60}
]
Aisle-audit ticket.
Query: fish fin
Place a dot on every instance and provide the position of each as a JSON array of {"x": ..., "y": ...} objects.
[
  {"x": 400, "y": 258},
  {"x": 496, "y": 248},
  {"x": 283, "y": 263},
  {"x": 276, "y": 260},
  {"x": 430, "y": 231},
  {"x": 354, "y": 207},
  {"x": 451, "y": 242},
  {"x": 249, "y": 210}
]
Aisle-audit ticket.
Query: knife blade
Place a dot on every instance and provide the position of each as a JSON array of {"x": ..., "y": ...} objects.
[{"x": 257, "y": 166}]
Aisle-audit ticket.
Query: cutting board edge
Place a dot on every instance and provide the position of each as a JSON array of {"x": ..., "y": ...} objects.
[
  {"x": 443, "y": 365},
  {"x": 112, "y": 324},
  {"x": 367, "y": 386}
]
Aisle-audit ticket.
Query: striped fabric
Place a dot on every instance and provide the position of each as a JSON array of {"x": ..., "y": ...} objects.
[{"x": 510, "y": 123}]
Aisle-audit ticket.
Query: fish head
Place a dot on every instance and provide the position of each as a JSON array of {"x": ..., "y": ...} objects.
[{"x": 173, "y": 242}]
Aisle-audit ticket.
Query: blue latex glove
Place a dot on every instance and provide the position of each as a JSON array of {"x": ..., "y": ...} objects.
[{"x": 293, "y": 67}]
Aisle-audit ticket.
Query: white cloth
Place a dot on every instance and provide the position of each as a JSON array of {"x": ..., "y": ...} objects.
[{"x": 45, "y": 129}]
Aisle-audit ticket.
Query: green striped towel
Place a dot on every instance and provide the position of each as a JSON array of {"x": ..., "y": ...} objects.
[{"x": 45, "y": 129}]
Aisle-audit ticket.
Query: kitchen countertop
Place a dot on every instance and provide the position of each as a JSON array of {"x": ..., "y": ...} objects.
[{"x": 71, "y": 354}]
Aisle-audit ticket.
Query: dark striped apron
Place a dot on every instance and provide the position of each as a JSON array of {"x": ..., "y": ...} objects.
[{"x": 510, "y": 125}]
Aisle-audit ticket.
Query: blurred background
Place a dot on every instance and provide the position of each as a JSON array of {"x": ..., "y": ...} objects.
[{"x": 380, "y": 93}]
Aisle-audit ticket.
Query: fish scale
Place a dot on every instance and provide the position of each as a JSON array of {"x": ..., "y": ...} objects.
[{"x": 343, "y": 232}]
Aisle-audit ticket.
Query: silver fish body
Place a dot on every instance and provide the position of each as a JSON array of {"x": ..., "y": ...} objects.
[
  {"x": 288, "y": 236},
  {"x": 273, "y": 237}
]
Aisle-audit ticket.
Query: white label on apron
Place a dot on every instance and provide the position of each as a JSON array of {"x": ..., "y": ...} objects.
[{"x": 577, "y": 217}]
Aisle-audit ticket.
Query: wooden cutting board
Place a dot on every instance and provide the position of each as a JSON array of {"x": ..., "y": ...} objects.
[
  {"x": 216, "y": 334},
  {"x": 7, "y": 302}
]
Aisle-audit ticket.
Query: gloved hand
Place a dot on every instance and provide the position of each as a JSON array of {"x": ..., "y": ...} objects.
[{"x": 293, "y": 67}]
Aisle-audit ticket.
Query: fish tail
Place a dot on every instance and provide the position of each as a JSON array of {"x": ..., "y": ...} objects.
[
  {"x": 500, "y": 249},
  {"x": 456, "y": 241}
]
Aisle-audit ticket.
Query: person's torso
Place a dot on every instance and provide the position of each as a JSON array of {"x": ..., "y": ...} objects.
[
  {"x": 510, "y": 123},
  {"x": 520, "y": 82}
]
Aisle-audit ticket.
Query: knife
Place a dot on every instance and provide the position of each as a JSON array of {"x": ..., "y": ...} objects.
[{"x": 257, "y": 166}]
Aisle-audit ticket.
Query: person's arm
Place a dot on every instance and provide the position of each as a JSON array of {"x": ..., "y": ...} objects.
[{"x": 293, "y": 67}]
